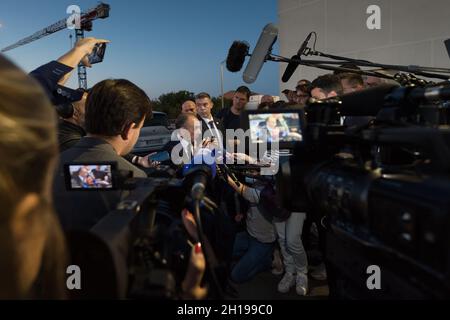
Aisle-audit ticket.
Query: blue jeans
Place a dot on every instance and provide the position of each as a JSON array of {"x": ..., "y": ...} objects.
[{"x": 254, "y": 255}]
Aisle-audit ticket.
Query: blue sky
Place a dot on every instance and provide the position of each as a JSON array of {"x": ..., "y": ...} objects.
[{"x": 160, "y": 45}]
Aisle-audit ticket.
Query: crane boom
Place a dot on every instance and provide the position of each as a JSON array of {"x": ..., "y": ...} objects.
[{"x": 99, "y": 12}]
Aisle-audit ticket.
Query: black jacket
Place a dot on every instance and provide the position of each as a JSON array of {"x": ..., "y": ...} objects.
[{"x": 68, "y": 135}]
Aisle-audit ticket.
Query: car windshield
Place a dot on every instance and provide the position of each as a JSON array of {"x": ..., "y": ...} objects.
[{"x": 159, "y": 119}]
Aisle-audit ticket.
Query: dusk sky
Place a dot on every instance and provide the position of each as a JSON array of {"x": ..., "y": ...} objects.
[{"x": 162, "y": 46}]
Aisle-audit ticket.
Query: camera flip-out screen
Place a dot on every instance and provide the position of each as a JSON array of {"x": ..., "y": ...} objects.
[
  {"x": 275, "y": 126},
  {"x": 92, "y": 176}
]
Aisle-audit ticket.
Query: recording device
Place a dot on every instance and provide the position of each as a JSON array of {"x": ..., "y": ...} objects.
[
  {"x": 91, "y": 176},
  {"x": 141, "y": 249},
  {"x": 382, "y": 189},
  {"x": 284, "y": 127},
  {"x": 98, "y": 53},
  {"x": 160, "y": 156},
  {"x": 260, "y": 53},
  {"x": 293, "y": 64}
]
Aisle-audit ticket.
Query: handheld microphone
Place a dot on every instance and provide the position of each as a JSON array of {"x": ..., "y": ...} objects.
[
  {"x": 197, "y": 174},
  {"x": 292, "y": 66},
  {"x": 263, "y": 47},
  {"x": 236, "y": 55}
]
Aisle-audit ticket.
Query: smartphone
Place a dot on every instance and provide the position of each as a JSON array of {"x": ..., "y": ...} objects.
[
  {"x": 160, "y": 156},
  {"x": 98, "y": 53}
]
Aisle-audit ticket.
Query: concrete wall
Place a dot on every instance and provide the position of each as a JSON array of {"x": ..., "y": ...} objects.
[{"x": 412, "y": 32}]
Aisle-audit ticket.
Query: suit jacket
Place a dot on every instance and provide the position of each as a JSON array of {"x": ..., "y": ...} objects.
[
  {"x": 218, "y": 124},
  {"x": 81, "y": 210},
  {"x": 48, "y": 76}
]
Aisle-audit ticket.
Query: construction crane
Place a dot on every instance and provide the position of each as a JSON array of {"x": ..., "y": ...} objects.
[{"x": 86, "y": 18}]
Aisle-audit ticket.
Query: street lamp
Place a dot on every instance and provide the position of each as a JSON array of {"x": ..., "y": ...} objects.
[{"x": 221, "y": 81}]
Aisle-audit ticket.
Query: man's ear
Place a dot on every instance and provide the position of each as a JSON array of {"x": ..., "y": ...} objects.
[
  {"x": 20, "y": 218},
  {"x": 126, "y": 130}
]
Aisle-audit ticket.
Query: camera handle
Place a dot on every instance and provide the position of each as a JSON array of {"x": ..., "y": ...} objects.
[{"x": 428, "y": 138}]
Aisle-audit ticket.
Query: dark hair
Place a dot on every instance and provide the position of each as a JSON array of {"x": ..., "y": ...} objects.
[
  {"x": 328, "y": 83},
  {"x": 352, "y": 78},
  {"x": 279, "y": 105},
  {"x": 203, "y": 95},
  {"x": 305, "y": 86},
  {"x": 244, "y": 90},
  {"x": 182, "y": 118},
  {"x": 347, "y": 65},
  {"x": 114, "y": 104}
]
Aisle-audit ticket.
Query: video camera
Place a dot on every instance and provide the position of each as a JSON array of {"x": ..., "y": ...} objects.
[
  {"x": 382, "y": 189},
  {"x": 141, "y": 249}
]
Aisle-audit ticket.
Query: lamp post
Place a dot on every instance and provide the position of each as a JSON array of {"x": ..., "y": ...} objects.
[{"x": 221, "y": 82}]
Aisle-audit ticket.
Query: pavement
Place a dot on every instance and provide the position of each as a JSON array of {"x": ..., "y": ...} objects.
[{"x": 264, "y": 287}]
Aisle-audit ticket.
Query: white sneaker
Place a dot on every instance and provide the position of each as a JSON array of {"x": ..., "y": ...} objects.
[
  {"x": 286, "y": 283},
  {"x": 319, "y": 272},
  {"x": 301, "y": 284},
  {"x": 277, "y": 271}
]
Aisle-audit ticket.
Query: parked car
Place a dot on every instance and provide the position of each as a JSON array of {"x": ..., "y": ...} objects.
[{"x": 154, "y": 134}]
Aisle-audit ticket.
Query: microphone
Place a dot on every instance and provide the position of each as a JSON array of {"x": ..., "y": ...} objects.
[
  {"x": 292, "y": 65},
  {"x": 197, "y": 174},
  {"x": 263, "y": 47},
  {"x": 236, "y": 55}
]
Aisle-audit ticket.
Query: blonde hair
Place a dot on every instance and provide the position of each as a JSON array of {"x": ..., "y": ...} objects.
[{"x": 28, "y": 152}]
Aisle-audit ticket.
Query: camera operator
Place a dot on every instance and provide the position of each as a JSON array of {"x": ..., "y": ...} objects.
[
  {"x": 253, "y": 247},
  {"x": 326, "y": 86},
  {"x": 32, "y": 247},
  {"x": 115, "y": 113}
]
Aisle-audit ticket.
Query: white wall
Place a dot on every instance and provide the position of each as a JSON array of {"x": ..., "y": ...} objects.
[{"x": 412, "y": 32}]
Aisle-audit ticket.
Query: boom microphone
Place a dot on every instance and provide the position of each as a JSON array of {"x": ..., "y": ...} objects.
[
  {"x": 236, "y": 56},
  {"x": 292, "y": 65},
  {"x": 263, "y": 47}
]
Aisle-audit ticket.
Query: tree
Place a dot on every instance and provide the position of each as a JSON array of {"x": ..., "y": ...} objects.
[{"x": 171, "y": 102}]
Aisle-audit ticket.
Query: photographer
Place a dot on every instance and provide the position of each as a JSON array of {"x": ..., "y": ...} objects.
[
  {"x": 71, "y": 104},
  {"x": 115, "y": 113},
  {"x": 32, "y": 247},
  {"x": 254, "y": 246}
]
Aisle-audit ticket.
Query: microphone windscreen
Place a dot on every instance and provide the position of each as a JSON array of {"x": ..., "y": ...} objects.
[
  {"x": 202, "y": 159},
  {"x": 236, "y": 56},
  {"x": 263, "y": 47}
]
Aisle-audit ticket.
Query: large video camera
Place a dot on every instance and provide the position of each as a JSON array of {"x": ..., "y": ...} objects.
[
  {"x": 141, "y": 249},
  {"x": 381, "y": 189}
]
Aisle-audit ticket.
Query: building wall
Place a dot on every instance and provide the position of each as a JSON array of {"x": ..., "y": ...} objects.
[{"x": 412, "y": 32}]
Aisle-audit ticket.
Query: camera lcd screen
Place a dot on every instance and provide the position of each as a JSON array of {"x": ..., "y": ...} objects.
[
  {"x": 89, "y": 177},
  {"x": 275, "y": 127}
]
